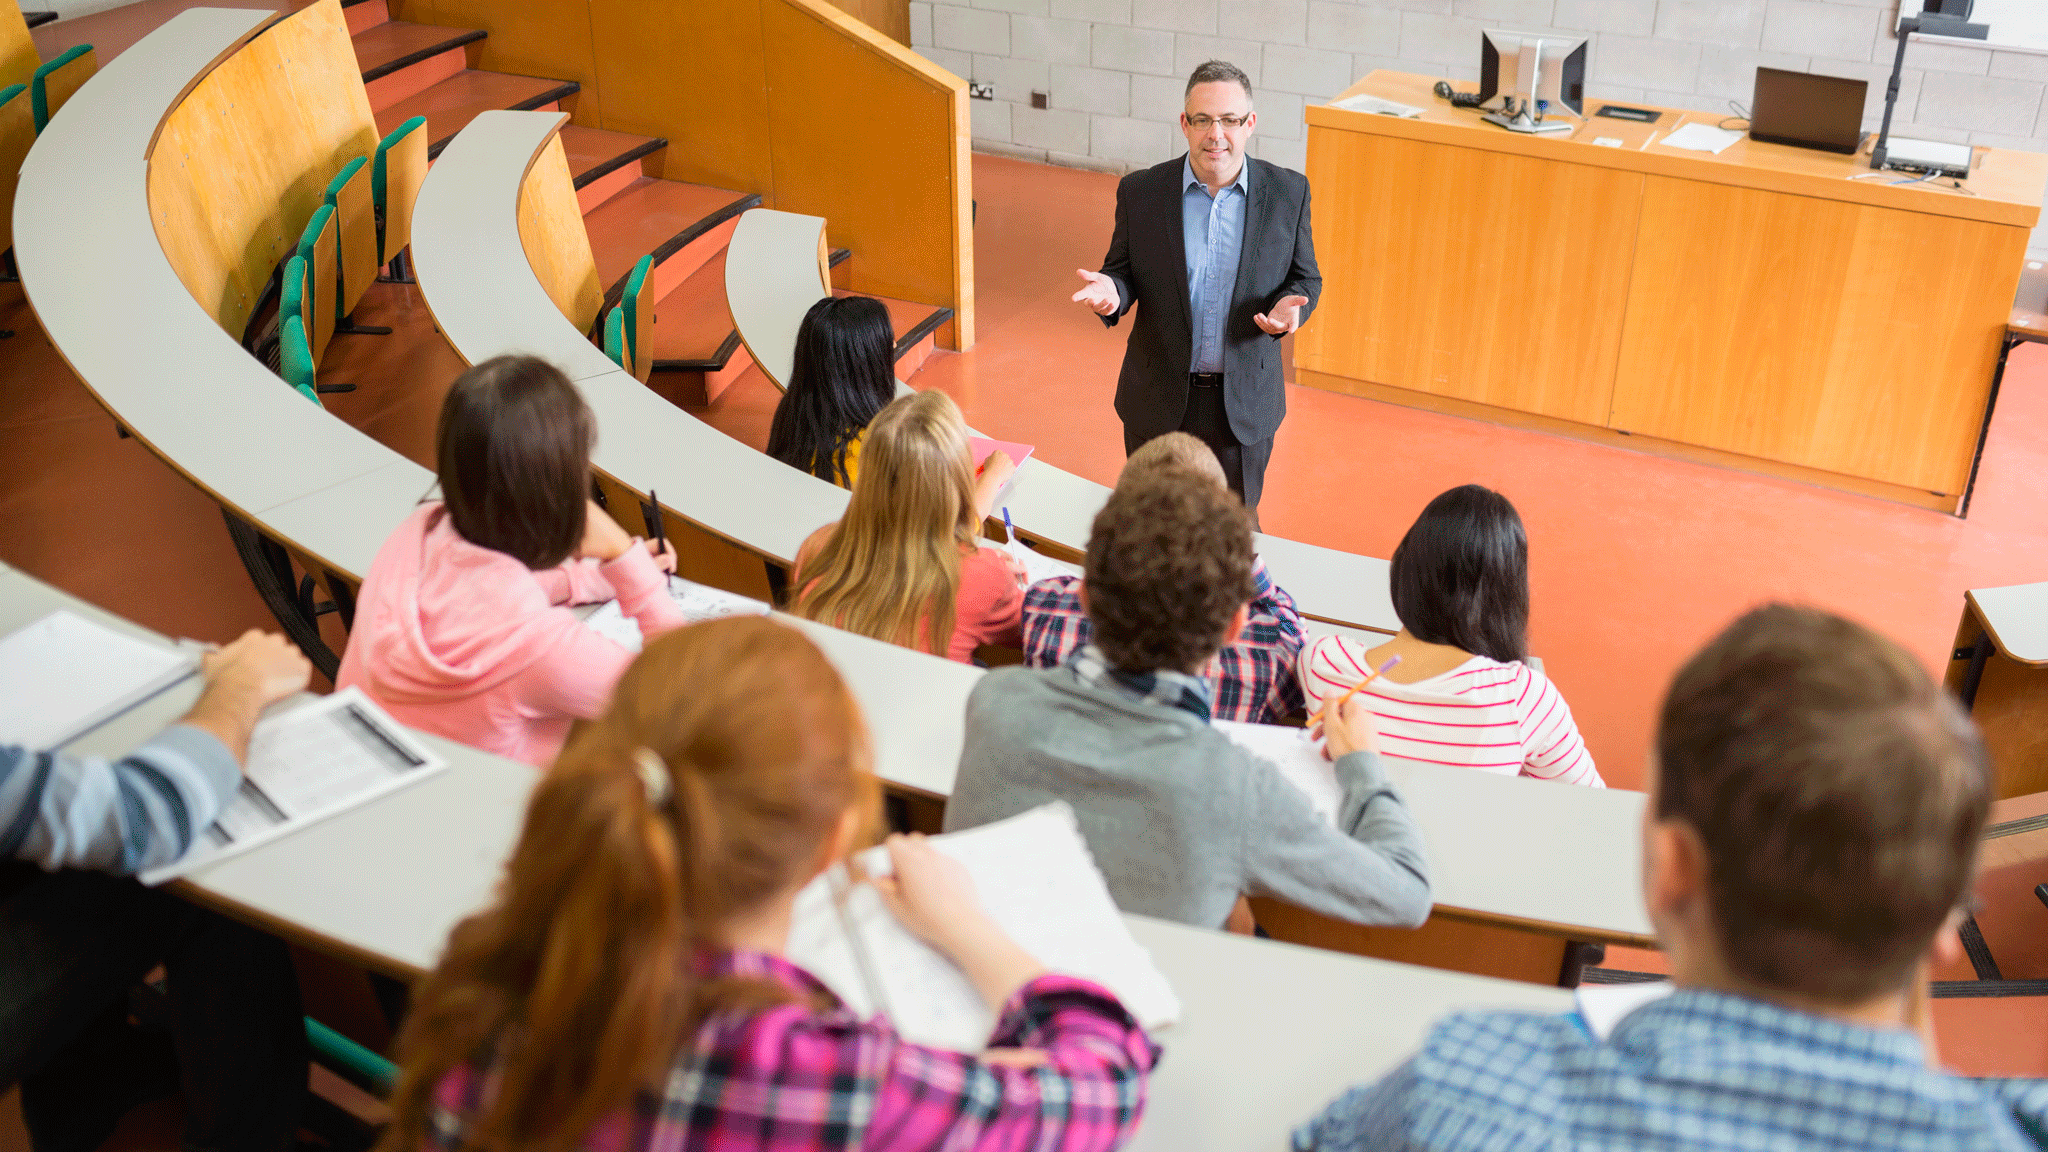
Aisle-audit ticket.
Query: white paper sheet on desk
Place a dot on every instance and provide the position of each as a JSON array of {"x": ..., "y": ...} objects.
[
  {"x": 1698, "y": 137},
  {"x": 1366, "y": 103},
  {"x": 699, "y": 602},
  {"x": 65, "y": 675},
  {"x": 1301, "y": 762},
  {"x": 1037, "y": 565},
  {"x": 306, "y": 764},
  {"x": 1602, "y": 1006},
  {"x": 1035, "y": 878}
]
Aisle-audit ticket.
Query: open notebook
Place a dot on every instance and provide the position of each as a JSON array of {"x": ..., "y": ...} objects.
[
  {"x": 699, "y": 602},
  {"x": 65, "y": 675},
  {"x": 1038, "y": 882},
  {"x": 1300, "y": 761},
  {"x": 306, "y": 764}
]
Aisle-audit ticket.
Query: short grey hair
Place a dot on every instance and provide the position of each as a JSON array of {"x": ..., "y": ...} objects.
[{"x": 1211, "y": 71}]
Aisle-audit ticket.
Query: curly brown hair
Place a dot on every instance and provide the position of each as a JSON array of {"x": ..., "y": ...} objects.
[{"x": 1169, "y": 562}]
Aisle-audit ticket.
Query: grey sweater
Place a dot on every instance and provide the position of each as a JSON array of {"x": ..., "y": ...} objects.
[
  {"x": 1180, "y": 820},
  {"x": 64, "y": 811}
]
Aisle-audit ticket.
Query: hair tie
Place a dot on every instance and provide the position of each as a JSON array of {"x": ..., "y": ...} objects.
[{"x": 654, "y": 778}]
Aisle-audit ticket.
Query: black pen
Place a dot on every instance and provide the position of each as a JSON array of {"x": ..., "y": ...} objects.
[{"x": 657, "y": 536}]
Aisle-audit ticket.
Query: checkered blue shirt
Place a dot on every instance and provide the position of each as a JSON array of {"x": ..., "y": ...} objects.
[{"x": 1698, "y": 1070}]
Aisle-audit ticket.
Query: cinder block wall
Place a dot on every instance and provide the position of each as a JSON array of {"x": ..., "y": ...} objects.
[{"x": 1114, "y": 68}]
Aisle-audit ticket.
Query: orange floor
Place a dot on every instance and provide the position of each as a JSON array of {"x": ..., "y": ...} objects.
[{"x": 1635, "y": 559}]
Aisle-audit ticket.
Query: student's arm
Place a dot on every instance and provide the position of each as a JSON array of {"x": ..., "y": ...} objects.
[
  {"x": 1266, "y": 652},
  {"x": 1368, "y": 1117},
  {"x": 1369, "y": 868},
  {"x": 1554, "y": 749},
  {"x": 635, "y": 574},
  {"x": 574, "y": 581},
  {"x": 1054, "y": 624},
  {"x": 145, "y": 809},
  {"x": 991, "y": 603}
]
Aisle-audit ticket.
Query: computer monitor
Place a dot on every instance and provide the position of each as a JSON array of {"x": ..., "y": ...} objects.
[{"x": 1545, "y": 73}]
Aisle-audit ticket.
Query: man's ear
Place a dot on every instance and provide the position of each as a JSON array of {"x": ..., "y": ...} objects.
[
  {"x": 1081, "y": 594},
  {"x": 841, "y": 843},
  {"x": 1674, "y": 868},
  {"x": 1946, "y": 950}
]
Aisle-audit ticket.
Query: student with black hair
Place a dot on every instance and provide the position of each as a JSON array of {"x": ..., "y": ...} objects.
[
  {"x": 843, "y": 374},
  {"x": 1463, "y": 692}
]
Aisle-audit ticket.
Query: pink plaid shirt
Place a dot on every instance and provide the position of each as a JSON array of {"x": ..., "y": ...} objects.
[{"x": 795, "y": 1079}]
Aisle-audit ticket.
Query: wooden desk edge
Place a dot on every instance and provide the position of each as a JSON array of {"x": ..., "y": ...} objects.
[
  {"x": 1984, "y": 620},
  {"x": 1680, "y": 165},
  {"x": 1545, "y": 927}
]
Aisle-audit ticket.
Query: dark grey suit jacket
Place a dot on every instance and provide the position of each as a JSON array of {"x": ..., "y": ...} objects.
[{"x": 1148, "y": 262}]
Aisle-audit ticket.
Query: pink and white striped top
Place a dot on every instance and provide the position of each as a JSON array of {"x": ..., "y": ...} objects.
[{"x": 1503, "y": 718}]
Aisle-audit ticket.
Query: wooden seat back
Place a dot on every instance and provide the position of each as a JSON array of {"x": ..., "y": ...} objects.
[
  {"x": 317, "y": 247},
  {"x": 17, "y": 136},
  {"x": 55, "y": 81},
  {"x": 395, "y": 185},
  {"x": 18, "y": 56},
  {"x": 638, "y": 305},
  {"x": 355, "y": 222}
]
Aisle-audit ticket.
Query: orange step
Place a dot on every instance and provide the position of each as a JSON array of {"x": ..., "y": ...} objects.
[
  {"x": 450, "y": 105},
  {"x": 916, "y": 327},
  {"x": 603, "y": 164},
  {"x": 661, "y": 217},
  {"x": 400, "y": 60}
]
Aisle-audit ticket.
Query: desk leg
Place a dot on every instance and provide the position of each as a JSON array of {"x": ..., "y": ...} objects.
[
  {"x": 270, "y": 569},
  {"x": 1980, "y": 652},
  {"x": 2005, "y": 348}
]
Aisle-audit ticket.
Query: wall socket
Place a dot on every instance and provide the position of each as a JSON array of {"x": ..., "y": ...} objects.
[
  {"x": 981, "y": 91},
  {"x": 1040, "y": 100}
]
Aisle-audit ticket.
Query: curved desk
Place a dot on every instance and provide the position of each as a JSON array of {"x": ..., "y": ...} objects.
[
  {"x": 1269, "y": 1032},
  {"x": 96, "y": 274},
  {"x": 1999, "y": 669},
  {"x": 769, "y": 285}
]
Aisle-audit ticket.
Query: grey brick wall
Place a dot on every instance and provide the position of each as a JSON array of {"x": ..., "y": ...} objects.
[{"x": 1113, "y": 68}]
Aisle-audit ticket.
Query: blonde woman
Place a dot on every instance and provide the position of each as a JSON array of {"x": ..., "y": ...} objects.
[{"x": 905, "y": 565}]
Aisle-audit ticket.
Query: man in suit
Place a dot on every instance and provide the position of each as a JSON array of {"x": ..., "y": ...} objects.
[{"x": 1217, "y": 247}]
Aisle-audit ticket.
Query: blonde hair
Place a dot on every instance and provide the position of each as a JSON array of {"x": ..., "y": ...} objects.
[
  {"x": 893, "y": 563},
  {"x": 1174, "y": 450},
  {"x": 726, "y": 762}
]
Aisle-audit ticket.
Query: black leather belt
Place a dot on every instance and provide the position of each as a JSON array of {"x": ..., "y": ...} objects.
[{"x": 1205, "y": 379}]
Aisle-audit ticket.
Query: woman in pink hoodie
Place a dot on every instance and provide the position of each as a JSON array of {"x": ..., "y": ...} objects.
[{"x": 461, "y": 627}]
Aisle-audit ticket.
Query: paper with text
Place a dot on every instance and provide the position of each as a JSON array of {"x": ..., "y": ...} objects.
[
  {"x": 1301, "y": 762},
  {"x": 1602, "y": 1006},
  {"x": 65, "y": 675},
  {"x": 1037, "y": 881},
  {"x": 306, "y": 764},
  {"x": 699, "y": 602}
]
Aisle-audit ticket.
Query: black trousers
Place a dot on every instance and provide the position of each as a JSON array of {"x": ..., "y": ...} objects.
[
  {"x": 1244, "y": 465},
  {"x": 71, "y": 943}
]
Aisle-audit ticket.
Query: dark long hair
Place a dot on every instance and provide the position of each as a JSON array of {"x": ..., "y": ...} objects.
[
  {"x": 1461, "y": 575},
  {"x": 844, "y": 373},
  {"x": 513, "y": 453}
]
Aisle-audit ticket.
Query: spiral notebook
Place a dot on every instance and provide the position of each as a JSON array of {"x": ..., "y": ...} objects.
[{"x": 1037, "y": 880}]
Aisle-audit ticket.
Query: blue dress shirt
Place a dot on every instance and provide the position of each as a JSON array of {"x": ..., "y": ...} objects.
[
  {"x": 1212, "y": 234},
  {"x": 1696, "y": 1070}
]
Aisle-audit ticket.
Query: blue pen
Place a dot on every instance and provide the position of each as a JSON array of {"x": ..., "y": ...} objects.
[{"x": 1008, "y": 527}]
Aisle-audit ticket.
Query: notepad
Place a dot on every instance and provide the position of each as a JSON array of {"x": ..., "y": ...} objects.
[
  {"x": 65, "y": 675},
  {"x": 983, "y": 448},
  {"x": 1300, "y": 761},
  {"x": 1698, "y": 137},
  {"x": 1037, "y": 880},
  {"x": 1602, "y": 1006},
  {"x": 699, "y": 602},
  {"x": 305, "y": 765}
]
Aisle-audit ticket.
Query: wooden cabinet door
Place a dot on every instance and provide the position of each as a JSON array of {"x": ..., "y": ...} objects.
[
  {"x": 1479, "y": 275},
  {"x": 1840, "y": 336}
]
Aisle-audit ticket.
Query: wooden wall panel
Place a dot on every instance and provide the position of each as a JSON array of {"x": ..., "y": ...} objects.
[
  {"x": 240, "y": 165},
  {"x": 1490, "y": 277},
  {"x": 694, "y": 73},
  {"x": 530, "y": 38},
  {"x": 889, "y": 17},
  {"x": 557, "y": 245},
  {"x": 1838, "y": 336},
  {"x": 874, "y": 138}
]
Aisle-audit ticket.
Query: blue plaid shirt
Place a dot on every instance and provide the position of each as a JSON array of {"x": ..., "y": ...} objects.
[{"x": 1697, "y": 1070}]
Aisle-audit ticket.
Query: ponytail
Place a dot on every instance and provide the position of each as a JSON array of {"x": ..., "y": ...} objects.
[{"x": 729, "y": 754}]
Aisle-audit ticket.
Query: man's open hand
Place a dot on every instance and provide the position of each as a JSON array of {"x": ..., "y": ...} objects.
[
  {"x": 1284, "y": 318},
  {"x": 1099, "y": 292}
]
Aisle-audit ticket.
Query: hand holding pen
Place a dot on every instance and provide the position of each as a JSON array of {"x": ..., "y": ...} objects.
[{"x": 1352, "y": 730}]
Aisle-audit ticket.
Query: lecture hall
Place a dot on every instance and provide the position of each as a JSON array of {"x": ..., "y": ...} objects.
[{"x": 1213, "y": 575}]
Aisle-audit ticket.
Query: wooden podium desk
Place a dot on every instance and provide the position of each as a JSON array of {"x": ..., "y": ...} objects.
[
  {"x": 1999, "y": 669},
  {"x": 1756, "y": 308}
]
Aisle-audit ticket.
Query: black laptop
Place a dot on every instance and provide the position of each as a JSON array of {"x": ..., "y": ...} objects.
[{"x": 1809, "y": 111}]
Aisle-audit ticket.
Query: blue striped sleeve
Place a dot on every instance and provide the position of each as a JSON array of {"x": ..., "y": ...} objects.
[{"x": 123, "y": 816}]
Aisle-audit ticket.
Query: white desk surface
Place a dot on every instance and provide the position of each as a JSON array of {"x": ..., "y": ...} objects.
[
  {"x": 771, "y": 280},
  {"x": 1269, "y": 1033},
  {"x": 2017, "y": 618},
  {"x": 115, "y": 309}
]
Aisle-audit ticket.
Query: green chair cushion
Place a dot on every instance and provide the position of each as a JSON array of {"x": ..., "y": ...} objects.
[
  {"x": 297, "y": 358},
  {"x": 615, "y": 337},
  {"x": 342, "y": 178},
  {"x": 39, "y": 94},
  {"x": 314, "y": 227},
  {"x": 636, "y": 286},
  {"x": 292, "y": 301}
]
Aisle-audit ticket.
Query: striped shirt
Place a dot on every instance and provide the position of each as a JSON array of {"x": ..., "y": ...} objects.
[
  {"x": 1699, "y": 1071},
  {"x": 794, "y": 1078},
  {"x": 63, "y": 811},
  {"x": 1502, "y": 718}
]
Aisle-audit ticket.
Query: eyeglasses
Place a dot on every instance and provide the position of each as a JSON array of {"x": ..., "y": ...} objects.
[{"x": 1229, "y": 123}]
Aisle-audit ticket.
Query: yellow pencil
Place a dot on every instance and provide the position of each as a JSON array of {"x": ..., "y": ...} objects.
[{"x": 1337, "y": 706}]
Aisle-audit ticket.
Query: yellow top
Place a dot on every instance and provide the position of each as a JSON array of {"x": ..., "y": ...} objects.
[{"x": 852, "y": 460}]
